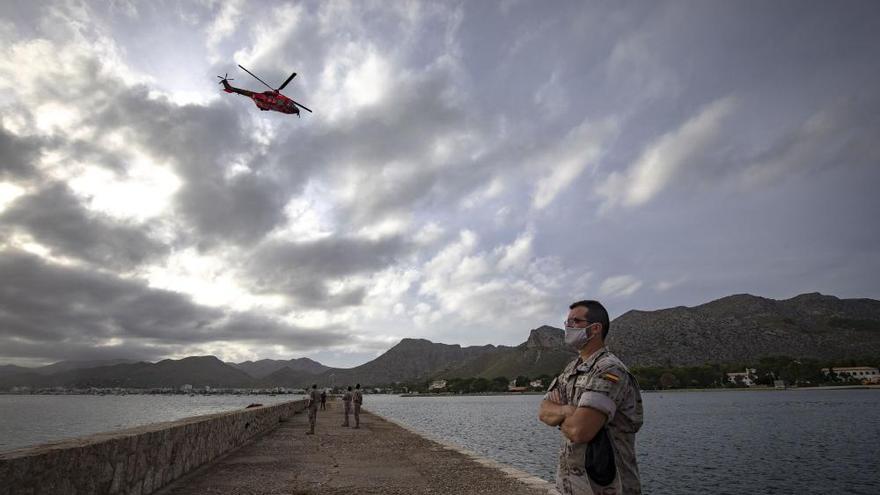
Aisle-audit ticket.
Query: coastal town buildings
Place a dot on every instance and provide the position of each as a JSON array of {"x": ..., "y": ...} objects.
[
  {"x": 746, "y": 378},
  {"x": 864, "y": 374}
]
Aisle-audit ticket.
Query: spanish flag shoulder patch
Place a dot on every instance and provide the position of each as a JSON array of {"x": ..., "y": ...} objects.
[{"x": 611, "y": 377}]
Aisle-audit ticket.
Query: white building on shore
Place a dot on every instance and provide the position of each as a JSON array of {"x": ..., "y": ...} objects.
[
  {"x": 746, "y": 378},
  {"x": 864, "y": 374}
]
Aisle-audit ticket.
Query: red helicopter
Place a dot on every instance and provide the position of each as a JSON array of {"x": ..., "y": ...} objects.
[{"x": 267, "y": 100}]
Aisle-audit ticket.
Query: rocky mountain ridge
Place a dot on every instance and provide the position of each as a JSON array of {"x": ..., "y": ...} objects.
[
  {"x": 735, "y": 329},
  {"x": 266, "y": 367},
  {"x": 742, "y": 328},
  {"x": 411, "y": 360}
]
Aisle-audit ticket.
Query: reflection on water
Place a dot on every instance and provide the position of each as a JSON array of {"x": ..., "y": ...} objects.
[
  {"x": 692, "y": 443},
  {"x": 35, "y": 419}
]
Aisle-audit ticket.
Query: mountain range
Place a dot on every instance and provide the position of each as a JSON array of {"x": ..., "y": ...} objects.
[
  {"x": 735, "y": 329},
  {"x": 741, "y": 328},
  {"x": 266, "y": 367}
]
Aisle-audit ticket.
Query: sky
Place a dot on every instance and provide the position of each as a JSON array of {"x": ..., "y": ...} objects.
[{"x": 469, "y": 170}]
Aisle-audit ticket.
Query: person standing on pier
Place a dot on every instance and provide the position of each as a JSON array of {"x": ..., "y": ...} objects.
[
  {"x": 323, "y": 400},
  {"x": 346, "y": 399},
  {"x": 358, "y": 398},
  {"x": 314, "y": 399},
  {"x": 597, "y": 405}
]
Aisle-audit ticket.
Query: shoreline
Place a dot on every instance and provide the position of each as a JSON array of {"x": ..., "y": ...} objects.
[
  {"x": 483, "y": 394},
  {"x": 655, "y": 391},
  {"x": 469, "y": 394},
  {"x": 764, "y": 389}
]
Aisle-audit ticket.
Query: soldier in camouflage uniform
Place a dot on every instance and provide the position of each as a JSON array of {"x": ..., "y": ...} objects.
[
  {"x": 597, "y": 405},
  {"x": 314, "y": 400},
  {"x": 346, "y": 399},
  {"x": 358, "y": 399}
]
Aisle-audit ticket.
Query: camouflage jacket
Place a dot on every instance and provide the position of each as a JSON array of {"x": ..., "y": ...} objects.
[{"x": 606, "y": 464}]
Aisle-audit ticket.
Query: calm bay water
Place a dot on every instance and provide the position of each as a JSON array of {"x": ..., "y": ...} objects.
[
  {"x": 34, "y": 419},
  {"x": 805, "y": 442}
]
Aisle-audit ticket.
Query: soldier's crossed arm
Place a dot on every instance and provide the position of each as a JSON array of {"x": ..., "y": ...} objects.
[
  {"x": 596, "y": 406},
  {"x": 553, "y": 409},
  {"x": 556, "y": 393}
]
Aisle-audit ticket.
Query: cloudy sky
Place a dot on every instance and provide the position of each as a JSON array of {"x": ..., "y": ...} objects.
[{"x": 470, "y": 168}]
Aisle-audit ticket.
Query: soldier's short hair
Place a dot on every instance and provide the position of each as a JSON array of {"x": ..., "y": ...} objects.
[
  {"x": 314, "y": 386},
  {"x": 357, "y": 386},
  {"x": 349, "y": 387},
  {"x": 596, "y": 313}
]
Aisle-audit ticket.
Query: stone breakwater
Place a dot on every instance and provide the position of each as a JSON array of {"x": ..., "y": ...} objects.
[
  {"x": 138, "y": 460},
  {"x": 379, "y": 458}
]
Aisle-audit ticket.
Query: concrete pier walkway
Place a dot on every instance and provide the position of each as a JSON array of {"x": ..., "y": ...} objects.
[{"x": 380, "y": 457}]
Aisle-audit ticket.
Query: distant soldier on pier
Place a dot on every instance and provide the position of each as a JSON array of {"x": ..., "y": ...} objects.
[
  {"x": 358, "y": 399},
  {"x": 346, "y": 399},
  {"x": 323, "y": 400},
  {"x": 314, "y": 399}
]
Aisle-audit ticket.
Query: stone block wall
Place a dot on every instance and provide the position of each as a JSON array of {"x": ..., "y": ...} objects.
[{"x": 138, "y": 460}]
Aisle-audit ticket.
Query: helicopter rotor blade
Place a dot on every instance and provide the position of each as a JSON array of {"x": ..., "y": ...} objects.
[
  {"x": 257, "y": 78},
  {"x": 301, "y": 106},
  {"x": 287, "y": 81}
]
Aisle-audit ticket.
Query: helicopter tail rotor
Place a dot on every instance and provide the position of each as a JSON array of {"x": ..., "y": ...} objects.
[{"x": 224, "y": 78}]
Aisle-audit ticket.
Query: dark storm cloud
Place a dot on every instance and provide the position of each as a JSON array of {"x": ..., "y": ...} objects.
[
  {"x": 56, "y": 218},
  {"x": 252, "y": 328},
  {"x": 48, "y": 302},
  {"x": 17, "y": 156},
  {"x": 48, "y": 306},
  {"x": 41, "y": 351},
  {"x": 303, "y": 269},
  {"x": 420, "y": 111},
  {"x": 202, "y": 142},
  {"x": 238, "y": 210},
  {"x": 392, "y": 143},
  {"x": 94, "y": 154},
  {"x": 843, "y": 134}
]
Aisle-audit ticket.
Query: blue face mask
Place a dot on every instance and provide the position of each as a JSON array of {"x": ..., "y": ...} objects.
[{"x": 577, "y": 337}]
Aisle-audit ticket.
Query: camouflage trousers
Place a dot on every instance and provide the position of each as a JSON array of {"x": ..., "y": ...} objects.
[
  {"x": 347, "y": 412},
  {"x": 313, "y": 417},
  {"x": 571, "y": 483}
]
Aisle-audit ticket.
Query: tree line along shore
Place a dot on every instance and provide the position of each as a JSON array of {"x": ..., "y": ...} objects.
[{"x": 766, "y": 372}]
